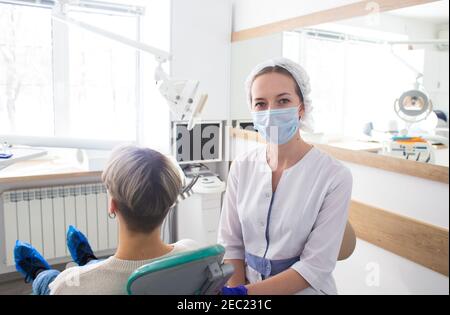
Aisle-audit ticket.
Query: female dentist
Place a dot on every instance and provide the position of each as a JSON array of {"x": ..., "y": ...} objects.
[{"x": 286, "y": 204}]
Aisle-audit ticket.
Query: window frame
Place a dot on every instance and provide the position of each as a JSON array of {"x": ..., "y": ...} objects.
[{"x": 60, "y": 73}]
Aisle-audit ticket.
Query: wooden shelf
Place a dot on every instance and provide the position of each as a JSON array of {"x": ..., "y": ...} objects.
[
  {"x": 58, "y": 164},
  {"x": 428, "y": 171},
  {"x": 335, "y": 14}
]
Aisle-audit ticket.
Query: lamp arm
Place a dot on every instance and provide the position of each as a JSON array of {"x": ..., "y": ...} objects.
[
  {"x": 179, "y": 94},
  {"x": 161, "y": 56},
  {"x": 405, "y": 63}
]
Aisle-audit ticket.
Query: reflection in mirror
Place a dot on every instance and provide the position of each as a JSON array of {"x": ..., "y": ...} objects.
[
  {"x": 382, "y": 81},
  {"x": 412, "y": 102}
]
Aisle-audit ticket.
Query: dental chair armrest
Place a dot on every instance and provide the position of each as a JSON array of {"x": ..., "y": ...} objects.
[{"x": 348, "y": 243}]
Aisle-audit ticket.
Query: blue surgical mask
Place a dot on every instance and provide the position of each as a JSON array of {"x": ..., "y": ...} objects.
[{"x": 277, "y": 126}]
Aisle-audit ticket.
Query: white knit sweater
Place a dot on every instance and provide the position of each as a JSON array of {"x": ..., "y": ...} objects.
[{"x": 108, "y": 277}]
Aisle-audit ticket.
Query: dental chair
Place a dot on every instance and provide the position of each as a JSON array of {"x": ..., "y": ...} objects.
[
  {"x": 198, "y": 272},
  {"x": 348, "y": 243}
]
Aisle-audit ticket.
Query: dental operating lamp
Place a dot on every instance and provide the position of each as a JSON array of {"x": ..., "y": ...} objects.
[
  {"x": 414, "y": 105},
  {"x": 181, "y": 95}
]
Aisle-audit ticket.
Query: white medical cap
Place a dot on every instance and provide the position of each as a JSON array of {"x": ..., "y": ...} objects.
[{"x": 300, "y": 76}]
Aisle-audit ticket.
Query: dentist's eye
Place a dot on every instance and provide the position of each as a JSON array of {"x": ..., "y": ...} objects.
[
  {"x": 284, "y": 101},
  {"x": 260, "y": 104}
]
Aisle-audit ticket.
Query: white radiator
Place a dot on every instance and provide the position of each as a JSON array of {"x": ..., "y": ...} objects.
[{"x": 41, "y": 216}]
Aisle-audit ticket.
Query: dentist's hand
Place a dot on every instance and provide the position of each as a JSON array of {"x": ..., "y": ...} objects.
[{"x": 240, "y": 290}]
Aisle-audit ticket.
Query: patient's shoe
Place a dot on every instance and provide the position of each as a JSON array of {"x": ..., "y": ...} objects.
[
  {"x": 79, "y": 247},
  {"x": 29, "y": 261}
]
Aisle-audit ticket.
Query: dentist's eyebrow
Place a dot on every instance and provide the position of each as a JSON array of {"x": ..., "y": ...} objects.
[{"x": 279, "y": 95}]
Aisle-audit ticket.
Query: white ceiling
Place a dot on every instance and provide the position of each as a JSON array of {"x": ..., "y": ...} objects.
[{"x": 434, "y": 12}]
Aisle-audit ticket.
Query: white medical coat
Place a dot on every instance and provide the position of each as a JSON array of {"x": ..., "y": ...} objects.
[{"x": 308, "y": 217}]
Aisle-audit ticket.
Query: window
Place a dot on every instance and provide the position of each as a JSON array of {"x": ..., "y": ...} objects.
[
  {"x": 354, "y": 80},
  {"x": 102, "y": 81},
  {"x": 59, "y": 80},
  {"x": 26, "y": 83}
]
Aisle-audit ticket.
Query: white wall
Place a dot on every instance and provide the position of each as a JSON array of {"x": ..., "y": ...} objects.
[
  {"x": 201, "y": 48},
  {"x": 436, "y": 74},
  {"x": 373, "y": 270},
  {"x": 251, "y": 13},
  {"x": 154, "y": 114},
  {"x": 245, "y": 55},
  {"x": 413, "y": 197}
]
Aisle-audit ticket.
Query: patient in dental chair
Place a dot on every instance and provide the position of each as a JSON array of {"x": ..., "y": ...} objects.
[{"x": 143, "y": 185}]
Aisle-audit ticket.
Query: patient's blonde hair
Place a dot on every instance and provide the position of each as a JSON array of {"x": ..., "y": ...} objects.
[{"x": 144, "y": 183}]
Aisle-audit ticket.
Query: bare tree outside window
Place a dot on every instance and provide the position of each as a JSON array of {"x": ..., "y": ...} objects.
[
  {"x": 25, "y": 71},
  {"x": 9, "y": 55},
  {"x": 65, "y": 83},
  {"x": 57, "y": 80}
]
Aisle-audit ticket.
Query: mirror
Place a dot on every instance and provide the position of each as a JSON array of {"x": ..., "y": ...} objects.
[{"x": 379, "y": 83}]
